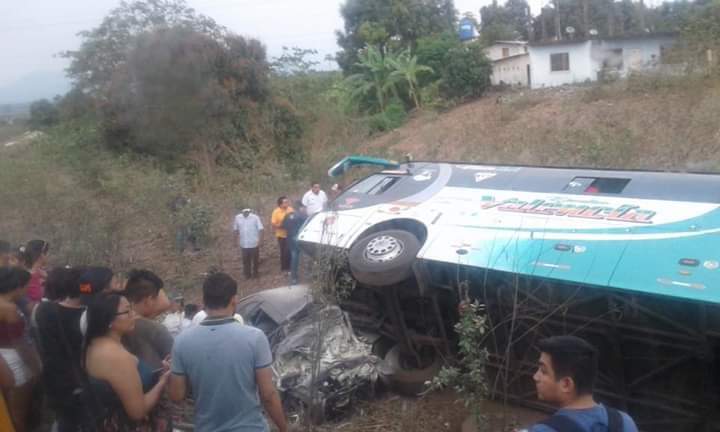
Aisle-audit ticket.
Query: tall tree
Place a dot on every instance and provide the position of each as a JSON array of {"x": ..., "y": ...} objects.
[
  {"x": 407, "y": 69},
  {"x": 380, "y": 22},
  {"x": 510, "y": 21},
  {"x": 104, "y": 48}
]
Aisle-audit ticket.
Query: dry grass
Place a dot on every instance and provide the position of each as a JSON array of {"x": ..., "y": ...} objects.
[{"x": 645, "y": 123}]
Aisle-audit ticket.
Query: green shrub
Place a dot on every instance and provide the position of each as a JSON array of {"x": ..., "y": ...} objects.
[
  {"x": 393, "y": 117},
  {"x": 467, "y": 72}
]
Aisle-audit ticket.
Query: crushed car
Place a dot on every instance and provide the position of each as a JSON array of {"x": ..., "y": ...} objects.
[{"x": 321, "y": 367}]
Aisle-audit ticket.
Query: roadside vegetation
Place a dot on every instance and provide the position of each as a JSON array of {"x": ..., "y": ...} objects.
[{"x": 174, "y": 123}]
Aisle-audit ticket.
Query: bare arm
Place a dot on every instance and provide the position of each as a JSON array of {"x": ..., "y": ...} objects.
[
  {"x": 177, "y": 389},
  {"x": 124, "y": 378},
  {"x": 270, "y": 398}
]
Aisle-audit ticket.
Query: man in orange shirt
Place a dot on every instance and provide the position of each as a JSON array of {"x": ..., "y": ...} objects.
[{"x": 276, "y": 220}]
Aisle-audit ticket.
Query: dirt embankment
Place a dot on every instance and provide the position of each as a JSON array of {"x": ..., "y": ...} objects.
[{"x": 645, "y": 123}]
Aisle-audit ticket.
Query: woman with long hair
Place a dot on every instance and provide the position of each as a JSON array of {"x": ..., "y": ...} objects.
[
  {"x": 33, "y": 257},
  {"x": 126, "y": 389},
  {"x": 20, "y": 362}
]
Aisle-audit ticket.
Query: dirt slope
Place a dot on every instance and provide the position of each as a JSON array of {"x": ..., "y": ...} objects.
[{"x": 643, "y": 123}]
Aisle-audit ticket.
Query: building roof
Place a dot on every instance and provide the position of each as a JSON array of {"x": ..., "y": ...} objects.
[
  {"x": 508, "y": 42},
  {"x": 512, "y": 57},
  {"x": 606, "y": 38}
]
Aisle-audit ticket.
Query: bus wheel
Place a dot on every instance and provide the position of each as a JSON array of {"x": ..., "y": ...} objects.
[
  {"x": 404, "y": 377},
  {"x": 383, "y": 258}
]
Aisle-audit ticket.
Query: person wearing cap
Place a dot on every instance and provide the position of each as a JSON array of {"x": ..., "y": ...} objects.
[
  {"x": 248, "y": 230},
  {"x": 150, "y": 341},
  {"x": 60, "y": 340}
]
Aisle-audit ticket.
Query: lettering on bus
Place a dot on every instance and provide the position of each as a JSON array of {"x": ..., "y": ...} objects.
[{"x": 623, "y": 213}]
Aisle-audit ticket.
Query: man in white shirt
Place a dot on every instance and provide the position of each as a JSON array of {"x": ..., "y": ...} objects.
[
  {"x": 249, "y": 229},
  {"x": 314, "y": 200}
]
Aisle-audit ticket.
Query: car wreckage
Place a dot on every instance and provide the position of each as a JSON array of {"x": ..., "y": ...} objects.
[
  {"x": 629, "y": 260},
  {"x": 321, "y": 367}
]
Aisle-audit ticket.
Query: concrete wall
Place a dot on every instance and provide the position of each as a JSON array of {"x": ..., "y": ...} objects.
[
  {"x": 495, "y": 51},
  {"x": 512, "y": 71},
  {"x": 582, "y": 67},
  {"x": 637, "y": 54}
]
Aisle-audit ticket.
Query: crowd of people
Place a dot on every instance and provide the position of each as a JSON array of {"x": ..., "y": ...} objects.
[
  {"x": 91, "y": 342},
  {"x": 286, "y": 221}
]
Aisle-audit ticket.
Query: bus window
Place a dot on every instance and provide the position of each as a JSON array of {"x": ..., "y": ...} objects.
[
  {"x": 375, "y": 185},
  {"x": 594, "y": 185}
]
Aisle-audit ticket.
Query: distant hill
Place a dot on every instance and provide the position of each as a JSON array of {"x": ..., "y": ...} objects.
[{"x": 36, "y": 85}]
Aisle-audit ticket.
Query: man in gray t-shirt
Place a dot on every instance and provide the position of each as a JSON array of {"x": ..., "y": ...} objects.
[{"x": 227, "y": 365}]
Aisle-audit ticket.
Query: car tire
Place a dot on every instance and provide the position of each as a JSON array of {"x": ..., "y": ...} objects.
[
  {"x": 384, "y": 258},
  {"x": 403, "y": 380}
]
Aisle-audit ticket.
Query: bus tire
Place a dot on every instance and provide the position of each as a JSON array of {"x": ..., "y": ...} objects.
[
  {"x": 405, "y": 380},
  {"x": 384, "y": 258}
]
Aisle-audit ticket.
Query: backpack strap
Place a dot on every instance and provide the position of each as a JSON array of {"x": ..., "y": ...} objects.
[
  {"x": 615, "y": 420},
  {"x": 562, "y": 423}
]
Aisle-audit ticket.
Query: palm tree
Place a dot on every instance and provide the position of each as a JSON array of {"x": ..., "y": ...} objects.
[
  {"x": 407, "y": 69},
  {"x": 376, "y": 76}
]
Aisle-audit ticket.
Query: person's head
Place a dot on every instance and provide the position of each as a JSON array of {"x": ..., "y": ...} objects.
[
  {"x": 63, "y": 282},
  {"x": 95, "y": 280},
  {"x": 566, "y": 369},
  {"x": 283, "y": 202},
  {"x": 315, "y": 188},
  {"x": 6, "y": 253},
  {"x": 144, "y": 289},
  {"x": 177, "y": 304},
  {"x": 219, "y": 291},
  {"x": 108, "y": 313},
  {"x": 13, "y": 282},
  {"x": 34, "y": 253},
  {"x": 190, "y": 310},
  {"x": 246, "y": 212}
]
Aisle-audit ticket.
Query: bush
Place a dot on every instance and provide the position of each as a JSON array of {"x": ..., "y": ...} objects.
[
  {"x": 393, "y": 117},
  {"x": 43, "y": 114},
  {"x": 467, "y": 72}
]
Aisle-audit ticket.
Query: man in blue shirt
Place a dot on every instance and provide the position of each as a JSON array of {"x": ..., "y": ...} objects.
[
  {"x": 227, "y": 365},
  {"x": 565, "y": 377}
]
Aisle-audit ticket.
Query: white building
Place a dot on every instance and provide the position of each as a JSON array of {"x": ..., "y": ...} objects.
[
  {"x": 510, "y": 62},
  {"x": 503, "y": 49},
  {"x": 556, "y": 63}
]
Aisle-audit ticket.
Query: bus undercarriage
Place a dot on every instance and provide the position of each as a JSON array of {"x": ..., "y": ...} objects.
[{"x": 658, "y": 355}]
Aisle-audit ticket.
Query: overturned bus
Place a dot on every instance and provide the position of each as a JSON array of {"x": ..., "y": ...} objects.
[{"x": 629, "y": 260}]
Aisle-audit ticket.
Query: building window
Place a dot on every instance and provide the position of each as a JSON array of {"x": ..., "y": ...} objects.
[
  {"x": 506, "y": 52},
  {"x": 559, "y": 62}
]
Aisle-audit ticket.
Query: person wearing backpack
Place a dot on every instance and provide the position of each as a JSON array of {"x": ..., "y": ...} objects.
[{"x": 565, "y": 377}]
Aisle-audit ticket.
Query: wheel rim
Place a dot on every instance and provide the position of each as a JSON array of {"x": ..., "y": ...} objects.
[{"x": 383, "y": 248}]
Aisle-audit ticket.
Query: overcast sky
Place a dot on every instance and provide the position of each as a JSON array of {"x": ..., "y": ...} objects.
[{"x": 33, "y": 31}]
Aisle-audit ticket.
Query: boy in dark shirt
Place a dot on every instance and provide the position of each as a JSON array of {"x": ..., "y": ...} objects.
[{"x": 565, "y": 377}]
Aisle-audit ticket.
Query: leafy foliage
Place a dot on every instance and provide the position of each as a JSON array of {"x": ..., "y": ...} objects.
[
  {"x": 43, "y": 114},
  {"x": 389, "y": 24},
  {"x": 467, "y": 72},
  {"x": 510, "y": 21},
  {"x": 468, "y": 377},
  {"x": 702, "y": 33},
  {"x": 103, "y": 49}
]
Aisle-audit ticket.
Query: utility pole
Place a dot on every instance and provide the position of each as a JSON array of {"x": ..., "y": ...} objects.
[
  {"x": 586, "y": 17},
  {"x": 641, "y": 13},
  {"x": 558, "y": 33}
]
